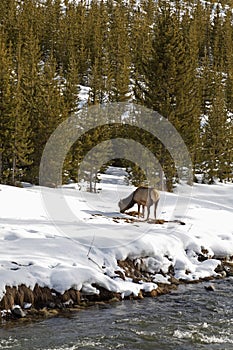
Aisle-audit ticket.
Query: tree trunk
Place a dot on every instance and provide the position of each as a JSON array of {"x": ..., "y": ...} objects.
[{"x": 0, "y": 167}]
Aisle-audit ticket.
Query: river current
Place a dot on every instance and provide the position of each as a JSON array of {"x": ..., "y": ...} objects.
[{"x": 189, "y": 318}]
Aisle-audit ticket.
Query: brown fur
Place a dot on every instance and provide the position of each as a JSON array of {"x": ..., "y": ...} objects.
[{"x": 142, "y": 196}]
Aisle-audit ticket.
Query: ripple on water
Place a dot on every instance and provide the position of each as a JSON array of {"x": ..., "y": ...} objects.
[
  {"x": 87, "y": 344},
  {"x": 9, "y": 343},
  {"x": 187, "y": 319},
  {"x": 204, "y": 336},
  {"x": 63, "y": 348}
]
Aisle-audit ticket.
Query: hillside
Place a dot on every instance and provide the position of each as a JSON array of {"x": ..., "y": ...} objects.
[{"x": 171, "y": 57}]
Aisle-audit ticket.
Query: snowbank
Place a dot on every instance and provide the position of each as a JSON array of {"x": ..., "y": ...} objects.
[{"x": 82, "y": 250}]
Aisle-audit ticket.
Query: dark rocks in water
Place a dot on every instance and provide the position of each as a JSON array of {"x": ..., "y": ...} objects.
[
  {"x": 104, "y": 295},
  {"x": 228, "y": 267},
  {"x": 18, "y": 312},
  {"x": 225, "y": 269},
  {"x": 210, "y": 288},
  {"x": 46, "y": 302}
]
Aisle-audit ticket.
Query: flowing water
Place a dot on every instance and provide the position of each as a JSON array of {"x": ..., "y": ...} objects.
[{"x": 189, "y": 318}]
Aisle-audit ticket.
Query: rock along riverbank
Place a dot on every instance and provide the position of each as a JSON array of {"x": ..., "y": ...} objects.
[{"x": 21, "y": 303}]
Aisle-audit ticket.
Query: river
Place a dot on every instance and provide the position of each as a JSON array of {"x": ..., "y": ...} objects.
[{"x": 189, "y": 318}]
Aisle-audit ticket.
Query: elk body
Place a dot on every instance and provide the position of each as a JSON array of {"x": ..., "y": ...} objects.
[{"x": 145, "y": 196}]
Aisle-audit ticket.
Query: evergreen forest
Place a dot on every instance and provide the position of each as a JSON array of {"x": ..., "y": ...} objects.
[{"x": 174, "y": 57}]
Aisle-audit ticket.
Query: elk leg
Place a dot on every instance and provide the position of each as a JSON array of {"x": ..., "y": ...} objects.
[
  {"x": 139, "y": 210},
  {"x": 143, "y": 211},
  {"x": 155, "y": 207},
  {"x": 148, "y": 212}
]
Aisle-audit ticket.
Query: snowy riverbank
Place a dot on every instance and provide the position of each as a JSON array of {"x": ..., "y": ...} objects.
[{"x": 85, "y": 251}]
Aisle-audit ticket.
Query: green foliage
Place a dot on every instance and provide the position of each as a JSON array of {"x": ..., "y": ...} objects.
[{"x": 176, "y": 60}]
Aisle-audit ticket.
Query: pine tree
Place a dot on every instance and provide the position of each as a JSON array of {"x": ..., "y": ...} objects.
[
  {"x": 21, "y": 145},
  {"x": 118, "y": 47},
  {"x": 188, "y": 100},
  {"x": 170, "y": 83},
  {"x": 51, "y": 14},
  {"x": 28, "y": 60},
  {"x": 217, "y": 39},
  {"x": 51, "y": 108},
  {"x": 91, "y": 149},
  {"x": 97, "y": 20},
  {"x": 6, "y": 105},
  {"x": 8, "y": 20},
  {"x": 78, "y": 36},
  {"x": 71, "y": 86},
  {"x": 141, "y": 42},
  {"x": 228, "y": 59},
  {"x": 72, "y": 44},
  {"x": 70, "y": 93},
  {"x": 217, "y": 135}
]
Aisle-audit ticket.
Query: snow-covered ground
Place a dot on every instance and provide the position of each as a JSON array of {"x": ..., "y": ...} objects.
[{"x": 80, "y": 246}]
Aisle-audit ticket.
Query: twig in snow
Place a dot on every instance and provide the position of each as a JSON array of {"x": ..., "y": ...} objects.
[
  {"x": 95, "y": 263},
  {"x": 88, "y": 253},
  {"x": 91, "y": 245}
]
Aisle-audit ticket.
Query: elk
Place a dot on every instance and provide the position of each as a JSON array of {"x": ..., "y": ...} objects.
[{"x": 145, "y": 196}]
